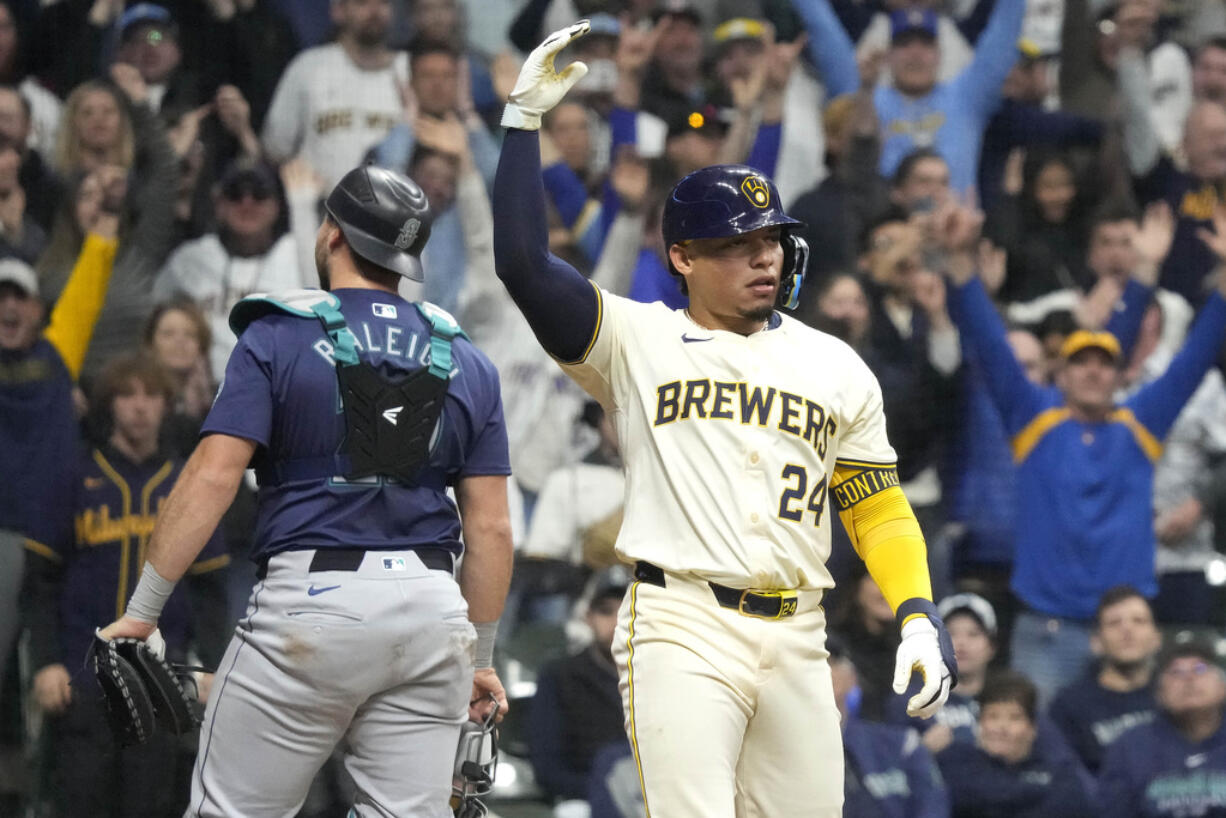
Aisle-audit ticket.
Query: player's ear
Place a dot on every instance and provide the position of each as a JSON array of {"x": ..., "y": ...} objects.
[
  {"x": 334, "y": 238},
  {"x": 682, "y": 259}
]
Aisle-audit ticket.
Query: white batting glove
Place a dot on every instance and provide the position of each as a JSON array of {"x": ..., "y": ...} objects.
[
  {"x": 921, "y": 650},
  {"x": 539, "y": 86}
]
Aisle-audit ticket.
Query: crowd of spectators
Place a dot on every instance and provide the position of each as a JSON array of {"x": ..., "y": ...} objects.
[{"x": 1018, "y": 220}]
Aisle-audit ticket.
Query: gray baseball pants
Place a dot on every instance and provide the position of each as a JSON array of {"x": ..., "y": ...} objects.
[{"x": 380, "y": 658}]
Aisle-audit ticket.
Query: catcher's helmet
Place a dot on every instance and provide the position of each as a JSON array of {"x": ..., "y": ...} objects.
[
  {"x": 384, "y": 216},
  {"x": 727, "y": 200}
]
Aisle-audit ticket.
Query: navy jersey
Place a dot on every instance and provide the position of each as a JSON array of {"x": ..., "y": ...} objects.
[
  {"x": 890, "y": 774},
  {"x": 1154, "y": 772},
  {"x": 1042, "y": 786},
  {"x": 1093, "y": 717},
  {"x": 114, "y": 509},
  {"x": 281, "y": 391},
  {"x": 960, "y": 714}
]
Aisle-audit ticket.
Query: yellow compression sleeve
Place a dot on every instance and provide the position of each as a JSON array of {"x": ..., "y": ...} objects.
[
  {"x": 76, "y": 310},
  {"x": 883, "y": 530}
]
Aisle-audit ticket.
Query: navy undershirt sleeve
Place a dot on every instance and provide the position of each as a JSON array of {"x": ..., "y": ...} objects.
[{"x": 561, "y": 306}]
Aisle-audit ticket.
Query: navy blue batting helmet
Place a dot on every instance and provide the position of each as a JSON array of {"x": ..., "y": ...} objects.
[{"x": 728, "y": 200}]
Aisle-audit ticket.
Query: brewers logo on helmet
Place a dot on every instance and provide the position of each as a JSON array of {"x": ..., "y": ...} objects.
[
  {"x": 727, "y": 200},
  {"x": 757, "y": 191}
]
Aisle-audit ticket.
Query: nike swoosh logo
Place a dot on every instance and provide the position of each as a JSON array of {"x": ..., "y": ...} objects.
[
  {"x": 313, "y": 591},
  {"x": 688, "y": 340}
]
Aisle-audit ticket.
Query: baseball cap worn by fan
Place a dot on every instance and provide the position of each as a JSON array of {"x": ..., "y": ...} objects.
[
  {"x": 973, "y": 604},
  {"x": 21, "y": 275},
  {"x": 147, "y": 14},
  {"x": 907, "y": 23},
  {"x": 1084, "y": 339},
  {"x": 737, "y": 29}
]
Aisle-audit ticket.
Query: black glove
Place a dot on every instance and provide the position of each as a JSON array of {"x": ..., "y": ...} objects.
[{"x": 141, "y": 691}]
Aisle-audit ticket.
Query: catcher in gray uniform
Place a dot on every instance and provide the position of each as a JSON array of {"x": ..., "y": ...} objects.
[{"x": 357, "y": 410}]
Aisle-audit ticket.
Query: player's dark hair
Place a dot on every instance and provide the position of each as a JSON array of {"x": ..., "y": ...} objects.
[
  {"x": 1114, "y": 596},
  {"x": 366, "y": 268},
  {"x": 907, "y": 166},
  {"x": 119, "y": 373},
  {"x": 1010, "y": 686},
  {"x": 184, "y": 304}
]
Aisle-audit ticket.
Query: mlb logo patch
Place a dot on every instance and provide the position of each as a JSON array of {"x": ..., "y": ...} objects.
[
  {"x": 384, "y": 310},
  {"x": 395, "y": 564}
]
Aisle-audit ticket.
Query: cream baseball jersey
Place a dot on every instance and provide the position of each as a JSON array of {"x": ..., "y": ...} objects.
[{"x": 730, "y": 441}]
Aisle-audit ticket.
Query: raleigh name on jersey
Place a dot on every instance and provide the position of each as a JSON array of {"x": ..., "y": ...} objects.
[{"x": 742, "y": 432}]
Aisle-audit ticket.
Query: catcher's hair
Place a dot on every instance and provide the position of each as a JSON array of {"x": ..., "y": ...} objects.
[
  {"x": 366, "y": 268},
  {"x": 1010, "y": 686},
  {"x": 1114, "y": 596},
  {"x": 184, "y": 304},
  {"x": 120, "y": 373}
]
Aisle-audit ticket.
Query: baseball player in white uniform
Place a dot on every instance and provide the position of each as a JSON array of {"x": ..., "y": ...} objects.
[{"x": 741, "y": 428}]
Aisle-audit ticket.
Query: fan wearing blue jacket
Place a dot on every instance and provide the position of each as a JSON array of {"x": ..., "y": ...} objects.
[{"x": 1085, "y": 463}]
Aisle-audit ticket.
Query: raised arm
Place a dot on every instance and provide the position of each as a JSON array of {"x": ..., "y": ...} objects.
[
  {"x": 562, "y": 308},
  {"x": 76, "y": 310},
  {"x": 980, "y": 82},
  {"x": 1017, "y": 399},
  {"x": 831, "y": 50},
  {"x": 1151, "y": 242},
  {"x": 1159, "y": 403}
]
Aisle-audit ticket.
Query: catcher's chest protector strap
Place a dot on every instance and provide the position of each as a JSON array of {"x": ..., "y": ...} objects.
[{"x": 390, "y": 425}]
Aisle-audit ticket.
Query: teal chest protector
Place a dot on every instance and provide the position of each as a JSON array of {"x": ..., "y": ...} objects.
[{"x": 390, "y": 424}]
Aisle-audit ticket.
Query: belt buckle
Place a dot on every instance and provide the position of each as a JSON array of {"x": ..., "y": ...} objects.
[{"x": 787, "y": 603}]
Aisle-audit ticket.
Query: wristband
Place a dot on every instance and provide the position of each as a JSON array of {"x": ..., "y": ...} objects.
[
  {"x": 150, "y": 595},
  {"x": 484, "y": 653},
  {"x": 515, "y": 117}
]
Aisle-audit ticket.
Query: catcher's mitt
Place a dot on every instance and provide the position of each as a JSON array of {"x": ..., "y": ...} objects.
[{"x": 141, "y": 691}]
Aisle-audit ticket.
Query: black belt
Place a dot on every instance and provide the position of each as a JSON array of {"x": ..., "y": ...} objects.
[
  {"x": 760, "y": 604},
  {"x": 350, "y": 559}
]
